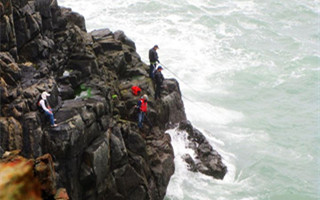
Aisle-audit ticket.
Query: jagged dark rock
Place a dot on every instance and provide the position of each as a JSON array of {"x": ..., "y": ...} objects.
[
  {"x": 191, "y": 164},
  {"x": 44, "y": 170},
  {"x": 208, "y": 161},
  {"x": 97, "y": 149}
]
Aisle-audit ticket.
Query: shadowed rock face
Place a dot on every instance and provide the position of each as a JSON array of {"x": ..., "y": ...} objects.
[{"x": 97, "y": 149}]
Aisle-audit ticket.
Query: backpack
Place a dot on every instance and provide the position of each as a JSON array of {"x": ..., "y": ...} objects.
[
  {"x": 39, "y": 108},
  {"x": 135, "y": 90}
]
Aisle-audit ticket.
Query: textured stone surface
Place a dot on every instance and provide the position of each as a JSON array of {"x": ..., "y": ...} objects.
[
  {"x": 208, "y": 161},
  {"x": 11, "y": 133},
  {"x": 44, "y": 171},
  {"x": 97, "y": 150},
  {"x": 16, "y": 178}
]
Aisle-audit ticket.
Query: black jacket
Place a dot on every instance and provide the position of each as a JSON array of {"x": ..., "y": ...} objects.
[
  {"x": 153, "y": 55},
  {"x": 158, "y": 77}
]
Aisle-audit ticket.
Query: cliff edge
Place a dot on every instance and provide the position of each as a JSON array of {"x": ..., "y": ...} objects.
[{"x": 97, "y": 149}]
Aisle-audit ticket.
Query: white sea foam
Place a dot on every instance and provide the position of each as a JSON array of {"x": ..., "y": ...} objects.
[
  {"x": 206, "y": 113},
  {"x": 182, "y": 175}
]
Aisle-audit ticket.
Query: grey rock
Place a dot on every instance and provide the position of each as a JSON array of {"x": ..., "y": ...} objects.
[
  {"x": 209, "y": 161},
  {"x": 119, "y": 35},
  {"x": 191, "y": 164},
  {"x": 74, "y": 18},
  {"x": 118, "y": 152},
  {"x": 66, "y": 92},
  {"x": 110, "y": 45},
  {"x": 101, "y": 34},
  {"x": 95, "y": 165},
  {"x": 127, "y": 180}
]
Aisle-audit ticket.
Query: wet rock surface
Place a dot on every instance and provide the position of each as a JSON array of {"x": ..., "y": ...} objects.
[
  {"x": 97, "y": 150},
  {"x": 207, "y": 161}
]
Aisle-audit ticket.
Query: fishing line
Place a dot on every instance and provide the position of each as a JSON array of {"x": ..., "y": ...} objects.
[
  {"x": 192, "y": 101},
  {"x": 178, "y": 77}
]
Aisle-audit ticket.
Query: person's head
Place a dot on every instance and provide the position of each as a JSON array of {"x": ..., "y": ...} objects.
[
  {"x": 156, "y": 47},
  {"x": 159, "y": 68},
  {"x": 44, "y": 95},
  {"x": 145, "y": 97}
]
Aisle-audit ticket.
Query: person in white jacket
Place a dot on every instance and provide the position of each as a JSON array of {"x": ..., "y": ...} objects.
[{"x": 46, "y": 108}]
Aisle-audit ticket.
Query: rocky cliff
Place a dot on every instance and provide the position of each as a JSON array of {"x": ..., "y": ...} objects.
[{"x": 97, "y": 149}]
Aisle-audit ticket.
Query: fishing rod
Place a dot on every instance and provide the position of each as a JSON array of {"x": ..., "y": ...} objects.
[
  {"x": 178, "y": 77},
  {"x": 192, "y": 101}
]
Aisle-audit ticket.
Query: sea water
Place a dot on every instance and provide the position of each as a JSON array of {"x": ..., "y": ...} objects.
[{"x": 249, "y": 76}]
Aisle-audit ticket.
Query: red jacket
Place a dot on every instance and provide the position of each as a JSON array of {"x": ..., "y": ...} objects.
[
  {"x": 135, "y": 90},
  {"x": 143, "y": 104}
]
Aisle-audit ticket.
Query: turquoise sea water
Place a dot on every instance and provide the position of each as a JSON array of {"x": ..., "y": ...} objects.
[{"x": 249, "y": 74}]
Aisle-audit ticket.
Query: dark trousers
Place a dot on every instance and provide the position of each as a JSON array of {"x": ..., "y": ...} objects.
[
  {"x": 152, "y": 67},
  {"x": 158, "y": 91}
]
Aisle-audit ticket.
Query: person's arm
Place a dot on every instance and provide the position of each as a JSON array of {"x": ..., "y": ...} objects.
[
  {"x": 156, "y": 57},
  {"x": 151, "y": 55},
  {"x": 43, "y": 105},
  {"x": 161, "y": 78}
]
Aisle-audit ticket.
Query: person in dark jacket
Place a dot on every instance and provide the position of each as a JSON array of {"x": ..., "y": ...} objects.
[
  {"x": 142, "y": 106},
  {"x": 153, "y": 57},
  {"x": 158, "y": 77}
]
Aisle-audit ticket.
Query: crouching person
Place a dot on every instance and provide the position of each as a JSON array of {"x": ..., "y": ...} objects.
[
  {"x": 142, "y": 109},
  {"x": 43, "y": 103}
]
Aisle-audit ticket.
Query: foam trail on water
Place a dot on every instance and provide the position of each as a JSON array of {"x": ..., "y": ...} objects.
[
  {"x": 206, "y": 113},
  {"x": 182, "y": 175}
]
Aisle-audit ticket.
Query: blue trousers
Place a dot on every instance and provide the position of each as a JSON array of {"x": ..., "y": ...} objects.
[
  {"x": 50, "y": 116},
  {"x": 140, "y": 119}
]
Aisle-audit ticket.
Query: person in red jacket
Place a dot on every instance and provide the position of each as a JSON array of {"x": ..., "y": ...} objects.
[{"x": 142, "y": 106}]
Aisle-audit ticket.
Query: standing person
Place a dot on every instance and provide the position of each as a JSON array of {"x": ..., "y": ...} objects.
[
  {"x": 158, "y": 77},
  {"x": 153, "y": 57},
  {"x": 43, "y": 103},
  {"x": 142, "y": 106}
]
